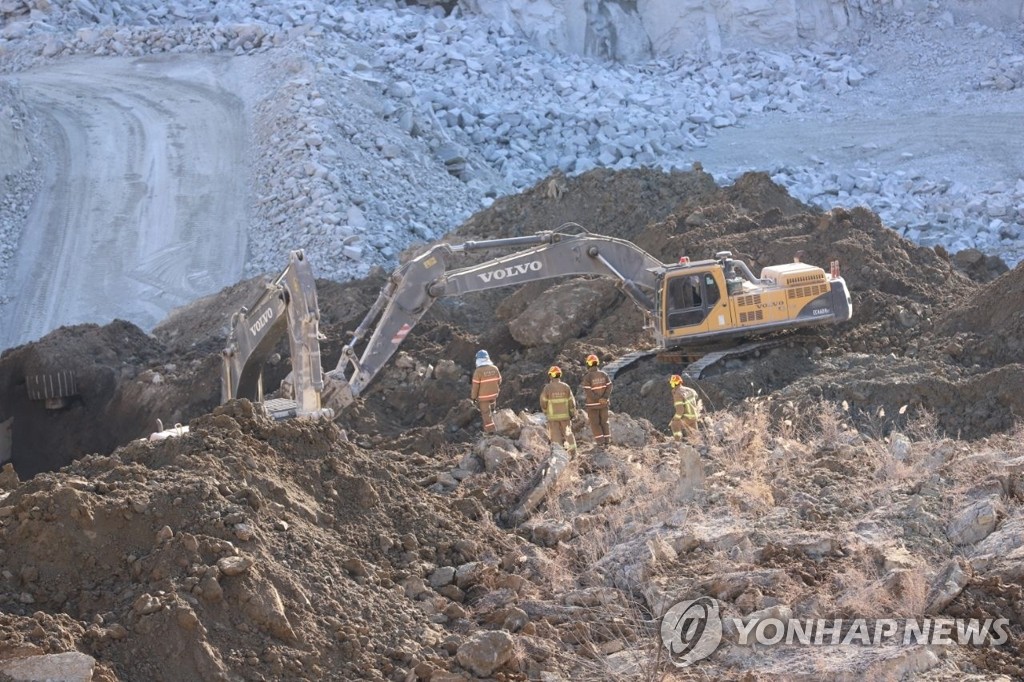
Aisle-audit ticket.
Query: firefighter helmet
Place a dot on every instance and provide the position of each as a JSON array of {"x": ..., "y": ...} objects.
[
  {"x": 592, "y": 360},
  {"x": 555, "y": 372},
  {"x": 675, "y": 380}
]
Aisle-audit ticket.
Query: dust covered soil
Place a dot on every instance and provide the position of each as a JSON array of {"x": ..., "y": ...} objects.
[{"x": 872, "y": 471}]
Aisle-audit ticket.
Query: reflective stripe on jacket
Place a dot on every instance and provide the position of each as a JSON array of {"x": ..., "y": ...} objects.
[
  {"x": 486, "y": 382},
  {"x": 557, "y": 401},
  {"x": 597, "y": 387},
  {"x": 685, "y": 400}
]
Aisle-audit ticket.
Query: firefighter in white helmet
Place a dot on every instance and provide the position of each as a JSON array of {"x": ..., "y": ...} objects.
[{"x": 486, "y": 383}]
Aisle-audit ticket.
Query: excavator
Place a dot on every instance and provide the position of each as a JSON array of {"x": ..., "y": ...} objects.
[
  {"x": 686, "y": 304},
  {"x": 287, "y": 305}
]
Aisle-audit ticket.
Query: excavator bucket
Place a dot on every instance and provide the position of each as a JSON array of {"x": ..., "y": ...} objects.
[{"x": 337, "y": 393}]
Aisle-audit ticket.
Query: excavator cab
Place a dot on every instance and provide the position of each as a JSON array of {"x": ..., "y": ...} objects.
[
  {"x": 718, "y": 299},
  {"x": 691, "y": 302},
  {"x": 690, "y": 297}
]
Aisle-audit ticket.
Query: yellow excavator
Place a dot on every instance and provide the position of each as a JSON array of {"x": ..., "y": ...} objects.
[{"x": 687, "y": 304}]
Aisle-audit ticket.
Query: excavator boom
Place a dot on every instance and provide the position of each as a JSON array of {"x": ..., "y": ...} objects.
[{"x": 416, "y": 285}]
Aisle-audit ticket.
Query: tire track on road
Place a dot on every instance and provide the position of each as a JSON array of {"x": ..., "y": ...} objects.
[{"x": 148, "y": 177}]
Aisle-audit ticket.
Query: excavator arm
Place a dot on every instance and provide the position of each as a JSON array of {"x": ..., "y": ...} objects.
[
  {"x": 288, "y": 305},
  {"x": 416, "y": 285}
]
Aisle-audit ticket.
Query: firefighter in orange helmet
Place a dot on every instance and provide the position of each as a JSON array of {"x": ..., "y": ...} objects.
[
  {"x": 486, "y": 383},
  {"x": 559, "y": 405},
  {"x": 687, "y": 409},
  {"x": 597, "y": 391}
]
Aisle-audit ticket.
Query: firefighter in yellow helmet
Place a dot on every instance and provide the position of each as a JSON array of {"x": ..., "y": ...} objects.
[
  {"x": 559, "y": 405},
  {"x": 687, "y": 409},
  {"x": 486, "y": 383},
  {"x": 597, "y": 391}
]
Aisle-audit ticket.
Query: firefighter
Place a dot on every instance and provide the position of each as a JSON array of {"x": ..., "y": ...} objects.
[
  {"x": 486, "y": 383},
  {"x": 687, "y": 409},
  {"x": 559, "y": 405},
  {"x": 597, "y": 391}
]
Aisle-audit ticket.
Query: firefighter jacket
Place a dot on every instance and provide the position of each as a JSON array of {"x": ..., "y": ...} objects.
[
  {"x": 684, "y": 399},
  {"x": 557, "y": 401},
  {"x": 597, "y": 387},
  {"x": 486, "y": 382}
]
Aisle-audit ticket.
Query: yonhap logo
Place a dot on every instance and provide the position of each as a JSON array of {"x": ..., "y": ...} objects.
[{"x": 691, "y": 631}]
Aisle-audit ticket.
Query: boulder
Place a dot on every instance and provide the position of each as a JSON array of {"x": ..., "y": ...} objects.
[
  {"x": 975, "y": 522},
  {"x": 70, "y": 666},
  {"x": 485, "y": 652},
  {"x": 507, "y": 423},
  {"x": 627, "y": 431},
  {"x": 946, "y": 585},
  {"x": 564, "y": 312},
  {"x": 691, "y": 474}
]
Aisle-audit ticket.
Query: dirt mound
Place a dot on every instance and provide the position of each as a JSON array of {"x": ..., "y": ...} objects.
[
  {"x": 120, "y": 377},
  {"x": 613, "y": 203},
  {"x": 898, "y": 291},
  {"x": 988, "y": 329},
  {"x": 244, "y": 550},
  {"x": 255, "y": 550},
  {"x": 202, "y": 326}
]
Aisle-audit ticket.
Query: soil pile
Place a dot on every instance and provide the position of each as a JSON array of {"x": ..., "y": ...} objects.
[
  {"x": 246, "y": 549},
  {"x": 899, "y": 290}
]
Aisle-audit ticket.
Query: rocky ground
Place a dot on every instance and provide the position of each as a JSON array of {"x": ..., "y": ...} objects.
[{"x": 875, "y": 474}]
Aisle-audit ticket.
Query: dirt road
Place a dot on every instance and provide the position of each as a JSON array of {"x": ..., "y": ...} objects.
[{"x": 144, "y": 202}]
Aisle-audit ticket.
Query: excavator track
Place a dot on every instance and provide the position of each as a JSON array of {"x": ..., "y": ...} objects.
[
  {"x": 616, "y": 366},
  {"x": 697, "y": 360}
]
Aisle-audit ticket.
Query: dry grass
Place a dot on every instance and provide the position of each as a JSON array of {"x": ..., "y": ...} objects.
[
  {"x": 749, "y": 451},
  {"x": 862, "y": 591},
  {"x": 637, "y": 633},
  {"x": 832, "y": 425}
]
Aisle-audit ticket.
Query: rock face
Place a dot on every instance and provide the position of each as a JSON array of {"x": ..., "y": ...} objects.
[{"x": 631, "y": 31}]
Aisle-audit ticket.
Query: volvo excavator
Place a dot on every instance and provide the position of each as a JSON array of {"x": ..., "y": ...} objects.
[{"x": 686, "y": 304}]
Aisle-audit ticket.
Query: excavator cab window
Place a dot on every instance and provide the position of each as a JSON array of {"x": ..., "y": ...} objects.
[
  {"x": 689, "y": 298},
  {"x": 711, "y": 292}
]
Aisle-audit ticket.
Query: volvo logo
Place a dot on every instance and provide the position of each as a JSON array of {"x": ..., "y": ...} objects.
[
  {"x": 261, "y": 321},
  {"x": 511, "y": 271}
]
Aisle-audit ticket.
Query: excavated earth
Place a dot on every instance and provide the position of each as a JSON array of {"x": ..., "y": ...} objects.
[{"x": 845, "y": 472}]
